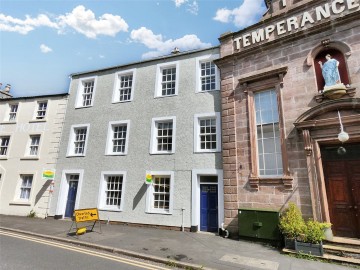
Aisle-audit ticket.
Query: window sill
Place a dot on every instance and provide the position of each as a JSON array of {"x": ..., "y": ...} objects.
[
  {"x": 82, "y": 107},
  {"x": 166, "y": 96},
  {"x": 159, "y": 213},
  {"x": 20, "y": 203},
  {"x": 30, "y": 158},
  {"x": 286, "y": 181},
  {"x": 72, "y": 156},
  {"x": 110, "y": 210},
  {"x": 37, "y": 121},
  {"x": 207, "y": 152},
  {"x": 3, "y": 157},
  {"x": 207, "y": 91},
  {"x": 115, "y": 154},
  {"x": 8, "y": 122},
  {"x": 164, "y": 153},
  {"x": 123, "y": 101}
]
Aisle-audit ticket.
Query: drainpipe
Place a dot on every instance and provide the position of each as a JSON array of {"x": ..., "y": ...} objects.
[{"x": 182, "y": 218}]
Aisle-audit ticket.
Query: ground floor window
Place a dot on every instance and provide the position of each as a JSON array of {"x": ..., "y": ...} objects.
[
  {"x": 160, "y": 193},
  {"x": 112, "y": 190},
  {"x": 25, "y": 188}
]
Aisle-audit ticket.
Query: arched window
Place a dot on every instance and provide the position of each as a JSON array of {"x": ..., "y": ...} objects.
[{"x": 335, "y": 54}]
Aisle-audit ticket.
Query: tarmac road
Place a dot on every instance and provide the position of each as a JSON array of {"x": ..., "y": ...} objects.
[{"x": 22, "y": 252}]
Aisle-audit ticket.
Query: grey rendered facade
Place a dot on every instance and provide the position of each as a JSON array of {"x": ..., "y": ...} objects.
[{"x": 182, "y": 161}]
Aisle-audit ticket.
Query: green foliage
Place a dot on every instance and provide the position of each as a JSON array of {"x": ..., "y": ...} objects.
[
  {"x": 293, "y": 226},
  {"x": 32, "y": 214},
  {"x": 291, "y": 222},
  {"x": 314, "y": 232}
]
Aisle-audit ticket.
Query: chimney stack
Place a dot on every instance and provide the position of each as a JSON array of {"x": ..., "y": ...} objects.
[{"x": 7, "y": 88}]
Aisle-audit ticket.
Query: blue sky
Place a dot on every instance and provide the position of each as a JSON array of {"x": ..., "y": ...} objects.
[{"x": 42, "y": 42}]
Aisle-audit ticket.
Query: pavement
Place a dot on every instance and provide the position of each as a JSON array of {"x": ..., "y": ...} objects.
[{"x": 188, "y": 250}]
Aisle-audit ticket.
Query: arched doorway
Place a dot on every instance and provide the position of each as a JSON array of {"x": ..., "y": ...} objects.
[{"x": 334, "y": 167}]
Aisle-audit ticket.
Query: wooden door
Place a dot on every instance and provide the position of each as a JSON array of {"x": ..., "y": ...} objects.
[{"x": 342, "y": 179}]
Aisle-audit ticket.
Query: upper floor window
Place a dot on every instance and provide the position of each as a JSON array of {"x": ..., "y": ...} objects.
[
  {"x": 167, "y": 79},
  {"x": 160, "y": 193},
  {"x": 124, "y": 86},
  {"x": 207, "y": 132},
  {"x": 268, "y": 133},
  {"x": 34, "y": 145},
  {"x": 118, "y": 137},
  {"x": 86, "y": 92},
  {"x": 41, "y": 110},
  {"x": 163, "y": 135},
  {"x": 13, "y": 111},
  {"x": 78, "y": 140},
  {"x": 208, "y": 78},
  {"x": 4, "y": 145}
]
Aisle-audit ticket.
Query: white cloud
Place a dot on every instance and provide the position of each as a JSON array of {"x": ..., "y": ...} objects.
[
  {"x": 163, "y": 47},
  {"x": 11, "y": 24},
  {"x": 45, "y": 49},
  {"x": 193, "y": 8},
  {"x": 81, "y": 20},
  {"x": 84, "y": 22},
  {"x": 179, "y": 3},
  {"x": 244, "y": 15}
]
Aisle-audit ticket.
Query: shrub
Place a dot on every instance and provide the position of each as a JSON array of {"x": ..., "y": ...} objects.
[
  {"x": 314, "y": 232},
  {"x": 292, "y": 223},
  {"x": 32, "y": 214}
]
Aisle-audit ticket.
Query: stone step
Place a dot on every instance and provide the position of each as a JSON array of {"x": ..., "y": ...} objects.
[
  {"x": 342, "y": 251},
  {"x": 331, "y": 257}
]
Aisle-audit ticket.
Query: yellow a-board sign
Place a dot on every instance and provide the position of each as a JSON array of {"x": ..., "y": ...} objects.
[{"x": 83, "y": 215}]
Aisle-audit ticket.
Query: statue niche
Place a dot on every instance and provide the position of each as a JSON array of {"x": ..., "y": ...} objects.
[{"x": 331, "y": 73}]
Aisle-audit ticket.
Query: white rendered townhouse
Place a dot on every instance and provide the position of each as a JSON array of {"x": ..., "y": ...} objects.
[
  {"x": 157, "y": 119},
  {"x": 30, "y": 131}
]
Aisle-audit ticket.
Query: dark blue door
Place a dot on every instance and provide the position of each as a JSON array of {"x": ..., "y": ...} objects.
[
  {"x": 209, "y": 208},
  {"x": 71, "y": 198}
]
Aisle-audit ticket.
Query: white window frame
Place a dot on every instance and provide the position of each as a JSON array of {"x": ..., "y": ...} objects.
[
  {"x": 36, "y": 117},
  {"x": 197, "y": 141},
  {"x": 7, "y": 119},
  {"x": 153, "y": 141},
  {"x": 29, "y": 145},
  {"x": 158, "y": 84},
  {"x": 150, "y": 192},
  {"x": 202, "y": 59},
  {"x": 80, "y": 92},
  {"x": 71, "y": 148},
  {"x": 21, "y": 187},
  {"x": 7, "y": 146},
  {"x": 102, "y": 191},
  {"x": 116, "y": 91},
  {"x": 109, "y": 144}
]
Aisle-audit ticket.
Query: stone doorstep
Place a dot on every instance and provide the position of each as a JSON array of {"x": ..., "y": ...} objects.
[
  {"x": 340, "y": 248},
  {"x": 346, "y": 241},
  {"x": 329, "y": 257}
]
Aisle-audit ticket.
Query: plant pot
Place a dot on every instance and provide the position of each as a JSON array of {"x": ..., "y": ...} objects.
[
  {"x": 289, "y": 243},
  {"x": 309, "y": 248}
]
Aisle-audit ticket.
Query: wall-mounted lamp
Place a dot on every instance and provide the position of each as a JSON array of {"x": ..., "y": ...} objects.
[{"x": 342, "y": 136}]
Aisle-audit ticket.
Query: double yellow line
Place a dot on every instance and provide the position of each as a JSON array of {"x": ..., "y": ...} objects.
[{"x": 139, "y": 264}]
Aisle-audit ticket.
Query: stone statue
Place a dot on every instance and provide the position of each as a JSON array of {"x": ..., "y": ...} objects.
[{"x": 330, "y": 72}]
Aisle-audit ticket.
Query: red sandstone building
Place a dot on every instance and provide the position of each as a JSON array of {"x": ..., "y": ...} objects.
[{"x": 281, "y": 124}]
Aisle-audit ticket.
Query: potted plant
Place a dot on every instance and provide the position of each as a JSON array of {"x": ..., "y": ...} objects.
[
  {"x": 310, "y": 241},
  {"x": 292, "y": 225}
]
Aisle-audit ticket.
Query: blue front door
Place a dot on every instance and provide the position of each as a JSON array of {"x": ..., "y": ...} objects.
[
  {"x": 209, "y": 208},
  {"x": 71, "y": 198}
]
